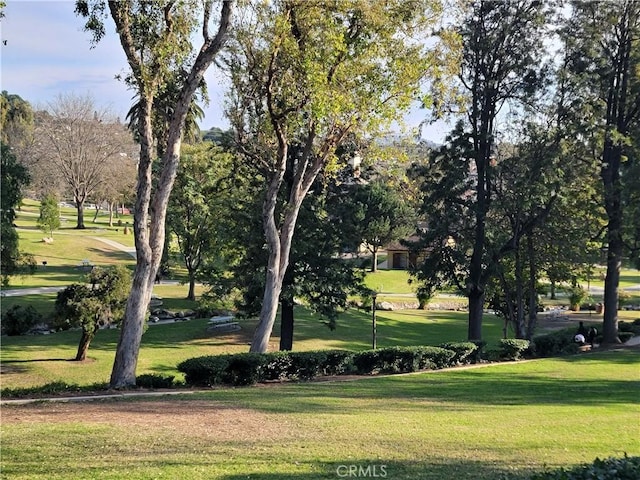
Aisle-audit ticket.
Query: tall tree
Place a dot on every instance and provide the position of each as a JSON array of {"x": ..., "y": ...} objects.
[
  {"x": 14, "y": 179},
  {"x": 309, "y": 73},
  {"x": 316, "y": 273},
  {"x": 603, "y": 41},
  {"x": 79, "y": 142},
  {"x": 502, "y": 56},
  {"x": 198, "y": 207},
  {"x": 16, "y": 120},
  {"x": 158, "y": 40}
]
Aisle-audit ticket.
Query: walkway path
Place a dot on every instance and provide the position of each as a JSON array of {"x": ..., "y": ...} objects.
[{"x": 130, "y": 250}]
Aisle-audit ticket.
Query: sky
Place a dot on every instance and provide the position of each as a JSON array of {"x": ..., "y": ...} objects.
[{"x": 47, "y": 53}]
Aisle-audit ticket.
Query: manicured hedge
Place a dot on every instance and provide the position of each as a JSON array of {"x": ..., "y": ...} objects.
[
  {"x": 250, "y": 368},
  {"x": 513, "y": 348},
  {"x": 466, "y": 352}
]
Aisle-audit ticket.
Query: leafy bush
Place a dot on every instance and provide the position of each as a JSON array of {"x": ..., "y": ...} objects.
[
  {"x": 51, "y": 389},
  {"x": 399, "y": 360},
  {"x": 625, "y": 336},
  {"x": 149, "y": 380},
  {"x": 436, "y": 357},
  {"x": 402, "y": 359},
  {"x": 276, "y": 366},
  {"x": 555, "y": 343},
  {"x": 513, "y": 348},
  {"x": 307, "y": 365},
  {"x": 629, "y": 326},
  {"x": 205, "y": 371},
  {"x": 464, "y": 351},
  {"x": 338, "y": 362},
  {"x": 244, "y": 368},
  {"x": 18, "y": 320},
  {"x": 627, "y": 468},
  {"x": 366, "y": 362}
]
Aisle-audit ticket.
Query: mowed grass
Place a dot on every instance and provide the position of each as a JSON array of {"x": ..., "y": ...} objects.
[
  {"x": 496, "y": 422},
  {"x": 36, "y": 360}
]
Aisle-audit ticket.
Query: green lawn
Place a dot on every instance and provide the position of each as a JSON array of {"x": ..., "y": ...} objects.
[
  {"x": 37, "y": 360},
  {"x": 495, "y": 422}
]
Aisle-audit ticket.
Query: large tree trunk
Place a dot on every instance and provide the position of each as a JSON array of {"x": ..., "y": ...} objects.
[
  {"x": 521, "y": 330},
  {"x": 286, "y": 312},
  {"x": 150, "y": 214},
  {"x": 476, "y": 308},
  {"x": 374, "y": 260},
  {"x": 612, "y": 193},
  {"x": 286, "y": 325},
  {"x": 80, "y": 213},
  {"x": 476, "y": 269},
  {"x": 192, "y": 286},
  {"x": 83, "y": 346},
  {"x": 279, "y": 245},
  {"x": 126, "y": 360},
  {"x": 533, "y": 294},
  {"x": 85, "y": 341}
]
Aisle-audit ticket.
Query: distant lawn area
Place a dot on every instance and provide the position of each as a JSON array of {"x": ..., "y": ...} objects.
[{"x": 498, "y": 422}]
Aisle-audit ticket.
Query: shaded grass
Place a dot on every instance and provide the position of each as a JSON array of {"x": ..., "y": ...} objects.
[{"x": 500, "y": 421}]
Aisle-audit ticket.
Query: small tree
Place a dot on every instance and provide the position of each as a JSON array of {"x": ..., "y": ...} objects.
[
  {"x": 14, "y": 179},
  {"x": 49, "y": 219},
  {"x": 91, "y": 306}
]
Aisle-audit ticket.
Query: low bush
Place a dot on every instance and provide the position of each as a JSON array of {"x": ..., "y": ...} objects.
[
  {"x": 52, "y": 389},
  {"x": 402, "y": 359},
  {"x": 18, "y": 320},
  {"x": 150, "y": 380},
  {"x": 244, "y": 368},
  {"x": 276, "y": 366},
  {"x": 625, "y": 336},
  {"x": 465, "y": 352},
  {"x": 250, "y": 368},
  {"x": 513, "y": 348},
  {"x": 204, "y": 371},
  {"x": 366, "y": 362},
  {"x": 626, "y": 468},
  {"x": 339, "y": 362},
  {"x": 633, "y": 327},
  {"x": 555, "y": 343},
  {"x": 307, "y": 365}
]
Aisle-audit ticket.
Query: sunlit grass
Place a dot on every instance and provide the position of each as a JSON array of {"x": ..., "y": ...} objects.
[{"x": 501, "y": 421}]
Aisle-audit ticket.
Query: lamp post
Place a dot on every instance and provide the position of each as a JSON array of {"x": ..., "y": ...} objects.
[{"x": 374, "y": 296}]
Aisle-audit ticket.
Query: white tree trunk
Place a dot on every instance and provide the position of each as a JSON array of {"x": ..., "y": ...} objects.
[{"x": 150, "y": 214}]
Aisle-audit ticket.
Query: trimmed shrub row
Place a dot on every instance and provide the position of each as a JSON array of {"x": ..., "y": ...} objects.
[{"x": 250, "y": 368}]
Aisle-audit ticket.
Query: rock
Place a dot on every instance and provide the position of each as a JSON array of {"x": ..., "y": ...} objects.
[{"x": 386, "y": 306}]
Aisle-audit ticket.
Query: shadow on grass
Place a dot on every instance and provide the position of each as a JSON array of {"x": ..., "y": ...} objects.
[
  {"x": 205, "y": 467},
  {"x": 110, "y": 254},
  {"x": 381, "y": 468},
  {"x": 37, "y": 360}
]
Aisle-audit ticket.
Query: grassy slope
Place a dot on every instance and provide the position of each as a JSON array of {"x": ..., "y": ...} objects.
[{"x": 494, "y": 422}]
